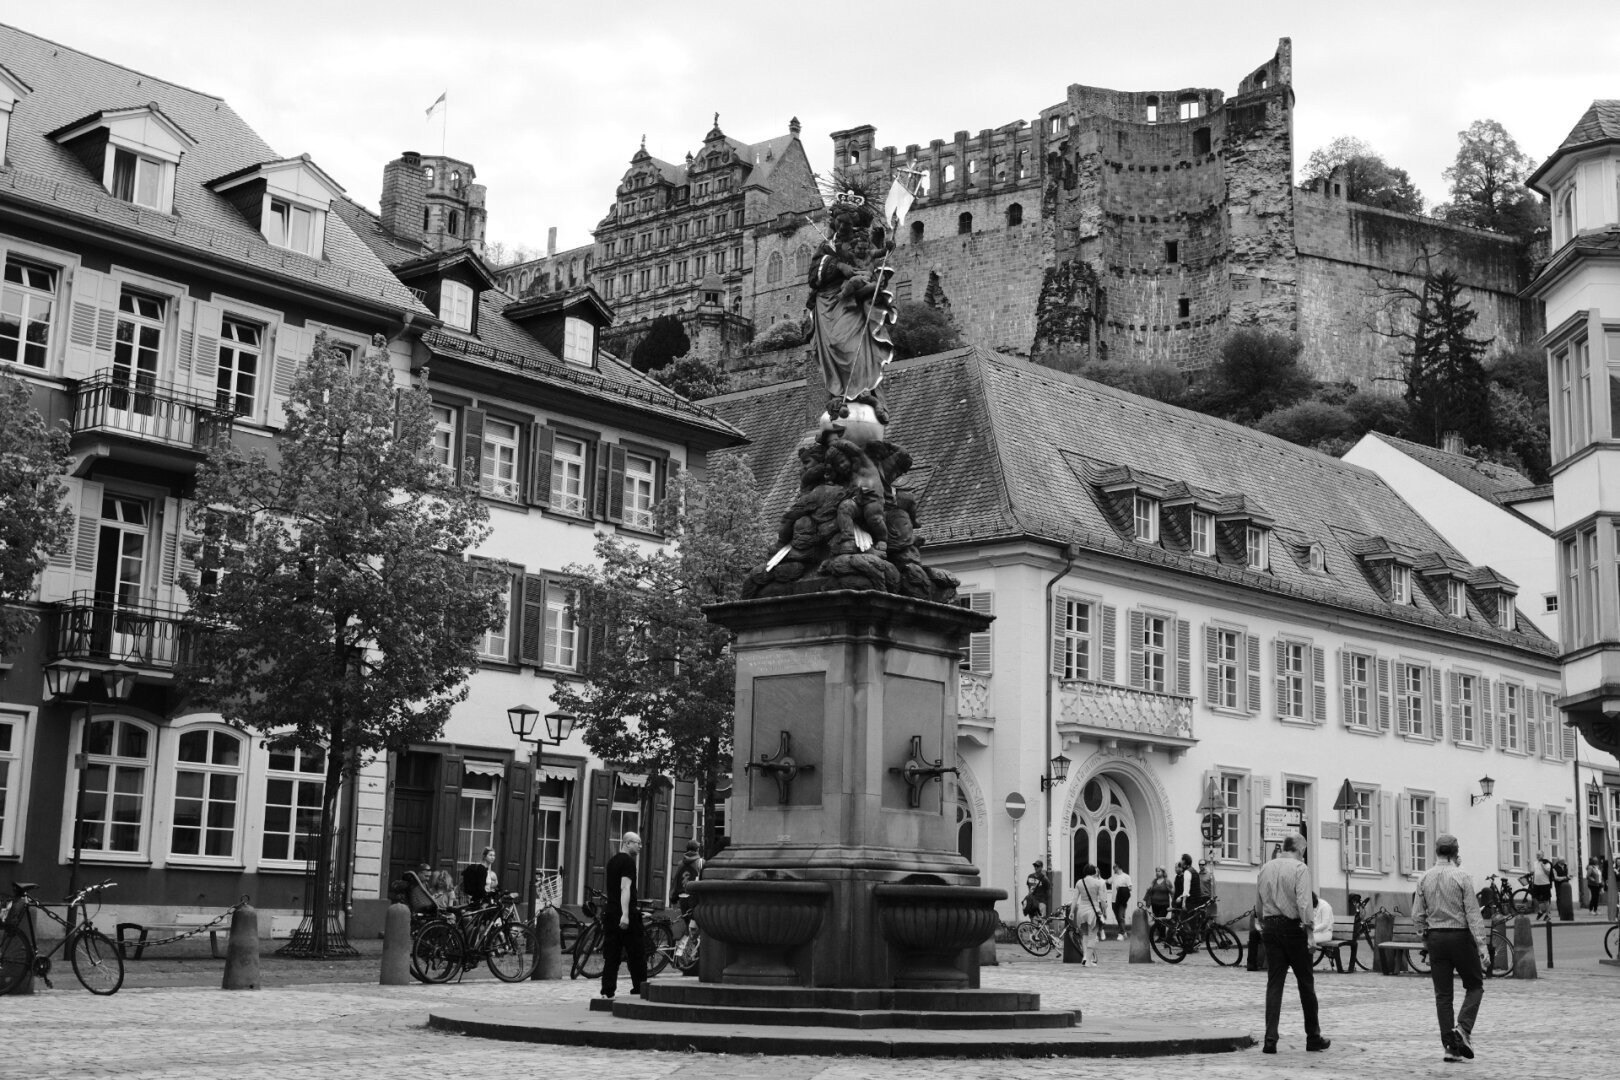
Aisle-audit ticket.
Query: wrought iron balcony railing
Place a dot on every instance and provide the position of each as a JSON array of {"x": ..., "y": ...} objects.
[
  {"x": 97, "y": 626},
  {"x": 148, "y": 410}
]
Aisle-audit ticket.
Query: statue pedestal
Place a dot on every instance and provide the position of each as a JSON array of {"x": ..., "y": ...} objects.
[{"x": 843, "y": 870}]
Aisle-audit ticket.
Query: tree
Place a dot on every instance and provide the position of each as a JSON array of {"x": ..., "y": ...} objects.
[
  {"x": 1367, "y": 177},
  {"x": 1487, "y": 182},
  {"x": 665, "y": 341},
  {"x": 334, "y": 608},
  {"x": 500, "y": 254},
  {"x": 1257, "y": 372},
  {"x": 33, "y": 522},
  {"x": 1447, "y": 387},
  {"x": 1158, "y": 381},
  {"x": 693, "y": 378},
  {"x": 921, "y": 330},
  {"x": 658, "y": 690}
]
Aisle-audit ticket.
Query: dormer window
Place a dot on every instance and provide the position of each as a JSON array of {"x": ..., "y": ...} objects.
[
  {"x": 291, "y": 226},
  {"x": 12, "y": 89},
  {"x": 1146, "y": 513},
  {"x": 1456, "y": 599},
  {"x": 1400, "y": 585},
  {"x": 1506, "y": 618},
  {"x": 579, "y": 341},
  {"x": 1315, "y": 559},
  {"x": 134, "y": 153},
  {"x": 1258, "y": 547},
  {"x": 137, "y": 179},
  {"x": 1202, "y": 533},
  {"x": 455, "y": 305},
  {"x": 287, "y": 201}
]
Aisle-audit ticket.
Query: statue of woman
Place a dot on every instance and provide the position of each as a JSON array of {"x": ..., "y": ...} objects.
[{"x": 851, "y": 309}]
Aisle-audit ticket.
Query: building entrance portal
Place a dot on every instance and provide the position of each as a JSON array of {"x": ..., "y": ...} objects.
[{"x": 1102, "y": 829}]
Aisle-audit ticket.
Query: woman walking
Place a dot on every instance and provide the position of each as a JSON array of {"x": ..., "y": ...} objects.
[{"x": 1086, "y": 911}]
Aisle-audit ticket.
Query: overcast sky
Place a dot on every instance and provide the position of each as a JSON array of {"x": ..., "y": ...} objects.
[{"x": 549, "y": 100}]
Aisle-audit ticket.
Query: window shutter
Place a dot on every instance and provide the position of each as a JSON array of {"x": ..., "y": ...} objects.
[
  {"x": 56, "y": 583},
  {"x": 1183, "y": 657},
  {"x": 1437, "y": 723},
  {"x": 540, "y": 465},
  {"x": 205, "y": 360},
  {"x": 1502, "y": 716},
  {"x": 1136, "y": 649},
  {"x": 86, "y": 536},
  {"x": 1056, "y": 651},
  {"x": 657, "y": 837},
  {"x": 1454, "y": 682},
  {"x": 1442, "y": 816},
  {"x": 1569, "y": 745},
  {"x": 168, "y": 567},
  {"x": 979, "y": 644},
  {"x": 187, "y": 343},
  {"x": 513, "y": 846},
  {"x": 1259, "y": 791},
  {"x": 1386, "y": 824},
  {"x": 447, "y": 814},
  {"x": 1403, "y": 837},
  {"x": 1487, "y": 715},
  {"x": 596, "y": 828},
  {"x": 1319, "y": 684},
  {"x": 1212, "y": 667},
  {"x": 1252, "y": 650},
  {"x": 1504, "y": 846},
  {"x": 1347, "y": 698},
  {"x": 1403, "y": 707},
  {"x": 1383, "y": 694},
  {"x": 472, "y": 447},
  {"x": 1109, "y": 618},
  {"x": 86, "y": 310},
  {"x": 1280, "y": 649},
  {"x": 1532, "y": 722},
  {"x": 613, "y": 469}
]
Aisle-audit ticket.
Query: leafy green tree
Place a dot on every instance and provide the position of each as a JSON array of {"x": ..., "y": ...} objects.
[
  {"x": 1257, "y": 372},
  {"x": 1157, "y": 381},
  {"x": 658, "y": 687},
  {"x": 1313, "y": 423},
  {"x": 664, "y": 342},
  {"x": 334, "y": 608},
  {"x": 780, "y": 335},
  {"x": 693, "y": 378},
  {"x": 1367, "y": 177},
  {"x": 1487, "y": 182},
  {"x": 921, "y": 330},
  {"x": 33, "y": 522},
  {"x": 1447, "y": 388}
]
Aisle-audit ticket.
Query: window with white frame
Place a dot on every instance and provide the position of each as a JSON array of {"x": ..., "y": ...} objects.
[
  {"x": 1400, "y": 584},
  {"x": 579, "y": 341},
  {"x": 1231, "y": 788},
  {"x": 443, "y": 450},
  {"x": 11, "y": 774},
  {"x": 1555, "y": 834},
  {"x": 475, "y": 810},
  {"x": 456, "y": 304},
  {"x": 640, "y": 488},
  {"x": 1363, "y": 828},
  {"x": 1075, "y": 619},
  {"x": 1293, "y": 679},
  {"x": 568, "y": 460},
  {"x": 1203, "y": 533},
  {"x": 1456, "y": 598},
  {"x": 209, "y": 781},
  {"x": 1411, "y": 700},
  {"x": 550, "y": 806},
  {"x": 497, "y": 641},
  {"x": 1297, "y": 796},
  {"x": 295, "y": 781},
  {"x": 27, "y": 301},
  {"x": 498, "y": 475},
  {"x": 291, "y": 226},
  {"x": 240, "y": 347},
  {"x": 1315, "y": 559},
  {"x": 1146, "y": 514},
  {"x": 1512, "y": 716},
  {"x": 1466, "y": 699},
  {"x": 1514, "y": 843},
  {"x": 1505, "y": 617},
  {"x": 138, "y": 338},
  {"x": 1155, "y": 653},
  {"x": 1227, "y": 669},
  {"x": 137, "y": 178},
  {"x": 562, "y": 630},
  {"x": 1552, "y": 727},
  {"x": 117, "y": 786},
  {"x": 1419, "y": 827},
  {"x": 625, "y": 814},
  {"x": 1258, "y": 548}
]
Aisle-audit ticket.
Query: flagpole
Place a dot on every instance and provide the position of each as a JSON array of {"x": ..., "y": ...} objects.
[{"x": 444, "y": 126}]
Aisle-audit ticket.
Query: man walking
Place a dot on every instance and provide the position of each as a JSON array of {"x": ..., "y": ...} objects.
[
  {"x": 1286, "y": 917},
  {"x": 1189, "y": 887},
  {"x": 621, "y": 922},
  {"x": 1445, "y": 912}
]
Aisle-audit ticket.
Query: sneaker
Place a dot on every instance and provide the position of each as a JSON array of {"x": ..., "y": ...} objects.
[
  {"x": 1451, "y": 1058},
  {"x": 1462, "y": 1044},
  {"x": 1268, "y": 1047},
  {"x": 1316, "y": 1043}
]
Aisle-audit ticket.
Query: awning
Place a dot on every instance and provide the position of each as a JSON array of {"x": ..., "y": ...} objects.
[
  {"x": 484, "y": 768},
  {"x": 630, "y": 779},
  {"x": 564, "y": 773}
]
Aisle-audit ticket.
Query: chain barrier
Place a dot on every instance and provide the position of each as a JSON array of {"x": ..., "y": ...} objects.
[{"x": 230, "y": 911}]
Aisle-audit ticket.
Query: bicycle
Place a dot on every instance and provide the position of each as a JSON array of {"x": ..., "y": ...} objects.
[
  {"x": 1498, "y": 956},
  {"x": 493, "y": 934},
  {"x": 1360, "y": 934},
  {"x": 96, "y": 961},
  {"x": 1039, "y": 935},
  {"x": 1183, "y": 930},
  {"x": 1611, "y": 940},
  {"x": 1500, "y": 898},
  {"x": 658, "y": 939}
]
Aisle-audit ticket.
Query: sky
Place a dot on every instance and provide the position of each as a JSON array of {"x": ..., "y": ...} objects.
[{"x": 549, "y": 100}]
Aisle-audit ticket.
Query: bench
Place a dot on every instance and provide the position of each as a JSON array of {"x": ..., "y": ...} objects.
[
  {"x": 132, "y": 937},
  {"x": 1403, "y": 944},
  {"x": 1344, "y": 936}
]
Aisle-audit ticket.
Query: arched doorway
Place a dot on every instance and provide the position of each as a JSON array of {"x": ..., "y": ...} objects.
[{"x": 1102, "y": 829}]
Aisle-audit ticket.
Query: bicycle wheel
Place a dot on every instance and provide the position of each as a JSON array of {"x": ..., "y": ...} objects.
[
  {"x": 1611, "y": 940},
  {"x": 436, "y": 952},
  {"x": 1499, "y": 957},
  {"x": 588, "y": 959},
  {"x": 1167, "y": 944},
  {"x": 660, "y": 943},
  {"x": 97, "y": 962},
  {"x": 686, "y": 954},
  {"x": 1523, "y": 902},
  {"x": 1419, "y": 961},
  {"x": 1223, "y": 946},
  {"x": 1034, "y": 938},
  {"x": 511, "y": 952},
  {"x": 16, "y": 958}
]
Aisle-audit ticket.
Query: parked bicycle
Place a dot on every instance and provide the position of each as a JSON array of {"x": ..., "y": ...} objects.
[
  {"x": 1360, "y": 942},
  {"x": 1040, "y": 934},
  {"x": 1183, "y": 930},
  {"x": 658, "y": 938},
  {"x": 1611, "y": 940},
  {"x": 460, "y": 938},
  {"x": 96, "y": 961},
  {"x": 1498, "y": 897}
]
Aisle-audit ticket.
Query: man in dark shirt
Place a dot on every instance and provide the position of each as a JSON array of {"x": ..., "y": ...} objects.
[
  {"x": 621, "y": 922},
  {"x": 1189, "y": 887}
]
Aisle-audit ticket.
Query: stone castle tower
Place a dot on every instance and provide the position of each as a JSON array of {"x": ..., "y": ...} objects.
[{"x": 432, "y": 199}]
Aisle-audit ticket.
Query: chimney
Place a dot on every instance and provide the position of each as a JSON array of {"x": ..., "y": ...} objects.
[
  {"x": 403, "y": 196},
  {"x": 551, "y": 241},
  {"x": 1451, "y": 442}
]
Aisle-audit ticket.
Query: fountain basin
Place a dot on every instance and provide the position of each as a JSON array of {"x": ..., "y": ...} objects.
[
  {"x": 764, "y": 920},
  {"x": 931, "y": 925}
]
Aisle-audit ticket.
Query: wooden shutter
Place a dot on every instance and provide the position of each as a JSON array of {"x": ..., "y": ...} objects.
[
  {"x": 1532, "y": 721},
  {"x": 1280, "y": 651},
  {"x": 1383, "y": 693},
  {"x": 1056, "y": 653},
  {"x": 1454, "y": 684},
  {"x": 1346, "y": 691},
  {"x": 531, "y": 618},
  {"x": 1437, "y": 723},
  {"x": 1183, "y": 657},
  {"x": 86, "y": 536},
  {"x": 1568, "y": 733},
  {"x": 596, "y": 828},
  {"x": 169, "y": 560},
  {"x": 1318, "y": 684},
  {"x": 1386, "y": 826},
  {"x": 446, "y": 815},
  {"x": 1504, "y": 846},
  {"x": 655, "y": 877},
  {"x": 612, "y": 505},
  {"x": 187, "y": 344},
  {"x": 1137, "y": 659},
  {"x": 514, "y": 845},
  {"x": 1259, "y": 791},
  {"x": 1252, "y": 651},
  {"x": 205, "y": 360},
  {"x": 1502, "y": 717},
  {"x": 980, "y": 652},
  {"x": 1403, "y": 706},
  {"x": 92, "y": 322},
  {"x": 1212, "y": 666},
  {"x": 472, "y": 447},
  {"x": 1109, "y": 618},
  {"x": 1403, "y": 833},
  {"x": 1487, "y": 714},
  {"x": 1442, "y": 816},
  {"x": 56, "y": 583},
  {"x": 540, "y": 465}
]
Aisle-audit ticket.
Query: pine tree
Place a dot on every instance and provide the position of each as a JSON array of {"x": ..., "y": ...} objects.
[{"x": 1447, "y": 386}]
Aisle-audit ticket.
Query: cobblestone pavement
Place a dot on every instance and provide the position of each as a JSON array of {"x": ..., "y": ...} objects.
[{"x": 1557, "y": 1026}]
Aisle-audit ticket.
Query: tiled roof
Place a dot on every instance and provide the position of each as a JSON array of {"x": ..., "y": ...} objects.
[
  {"x": 995, "y": 437},
  {"x": 70, "y": 85},
  {"x": 1487, "y": 479},
  {"x": 1599, "y": 124}
]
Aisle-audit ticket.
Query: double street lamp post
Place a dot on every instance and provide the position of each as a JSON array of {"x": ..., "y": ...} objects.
[
  {"x": 559, "y": 725},
  {"x": 62, "y": 680}
]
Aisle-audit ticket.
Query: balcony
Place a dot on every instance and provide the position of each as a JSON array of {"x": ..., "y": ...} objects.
[
  {"x": 973, "y": 719},
  {"x": 145, "y": 423},
  {"x": 92, "y": 627},
  {"x": 1118, "y": 714}
]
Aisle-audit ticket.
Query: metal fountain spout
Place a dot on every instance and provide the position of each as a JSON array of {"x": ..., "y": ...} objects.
[
  {"x": 918, "y": 770},
  {"x": 781, "y": 767}
]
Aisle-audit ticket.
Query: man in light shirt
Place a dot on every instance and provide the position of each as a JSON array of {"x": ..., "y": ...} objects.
[
  {"x": 1287, "y": 915},
  {"x": 1445, "y": 911}
]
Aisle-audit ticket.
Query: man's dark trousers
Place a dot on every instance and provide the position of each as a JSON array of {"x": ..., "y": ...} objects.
[
  {"x": 1287, "y": 947},
  {"x": 627, "y": 943},
  {"x": 1453, "y": 950}
]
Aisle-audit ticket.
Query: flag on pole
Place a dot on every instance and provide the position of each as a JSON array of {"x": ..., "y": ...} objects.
[
  {"x": 897, "y": 205},
  {"x": 433, "y": 108}
]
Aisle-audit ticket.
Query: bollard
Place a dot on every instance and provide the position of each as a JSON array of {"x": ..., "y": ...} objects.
[
  {"x": 1141, "y": 930},
  {"x": 1524, "y": 948},
  {"x": 549, "y": 965},
  {"x": 1548, "y": 925},
  {"x": 1257, "y": 946},
  {"x": 19, "y": 913},
  {"x": 396, "y": 954},
  {"x": 1072, "y": 953},
  {"x": 242, "y": 956}
]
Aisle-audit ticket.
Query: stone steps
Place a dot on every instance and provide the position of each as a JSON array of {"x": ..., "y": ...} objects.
[
  {"x": 855, "y": 1019},
  {"x": 829, "y": 998}
]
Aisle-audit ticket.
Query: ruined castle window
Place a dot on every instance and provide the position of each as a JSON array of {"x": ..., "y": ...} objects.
[
  {"x": 453, "y": 226},
  {"x": 646, "y": 241},
  {"x": 1056, "y": 125},
  {"x": 1023, "y": 164},
  {"x": 736, "y": 257},
  {"x": 722, "y": 183},
  {"x": 801, "y": 261},
  {"x": 1201, "y": 141},
  {"x": 1260, "y": 79},
  {"x": 773, "y": 268},
  {"x": 950, "y": 173},
  {"x": 854, "y": 157},
  {"x": 700, "y": 265},
  {"x": 624, "y": 283},
  {"x": 902, "y": 289},
  {"x": 607, "y": 288},
  {"x": 973, "y": 167},
  {"x": 455, "y": 176},
  {"x": 1152, "y": 109},
  {"x": 719, "y": 223},
  {"x": 737, "y": 220},
  {"x": 1183, "y": 307},
  {"x": 923, "y": 183},
  {"x": 1015, "y": 214},
  {"x": 1172, "y": 251},
  {"x": 643, "y": 280},
  {"x": 663, "y": 236},
  {"x": 700, "y": 227},
  {"x": 964, "y": 224},
  {"x": 702, "y": 189},
  {"x": 916, "y": 232},
  {"x": 1189, "y": 107},
  {"x": 427, "y": 173}
]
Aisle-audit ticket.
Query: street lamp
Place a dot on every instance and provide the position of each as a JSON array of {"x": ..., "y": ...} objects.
[
  {"x": 559, "y": 725},
  {"x": 1486, "y": 787},
  {"x": 62, "y": 680},
  {"x": 1060, "y": 772}
]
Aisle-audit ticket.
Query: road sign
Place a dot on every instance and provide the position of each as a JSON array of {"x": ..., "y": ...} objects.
[
  {"x": 1213, "y": 828},
  {"x": 1276, "y": 822},
  {"x": 1015, "y": 806}
]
